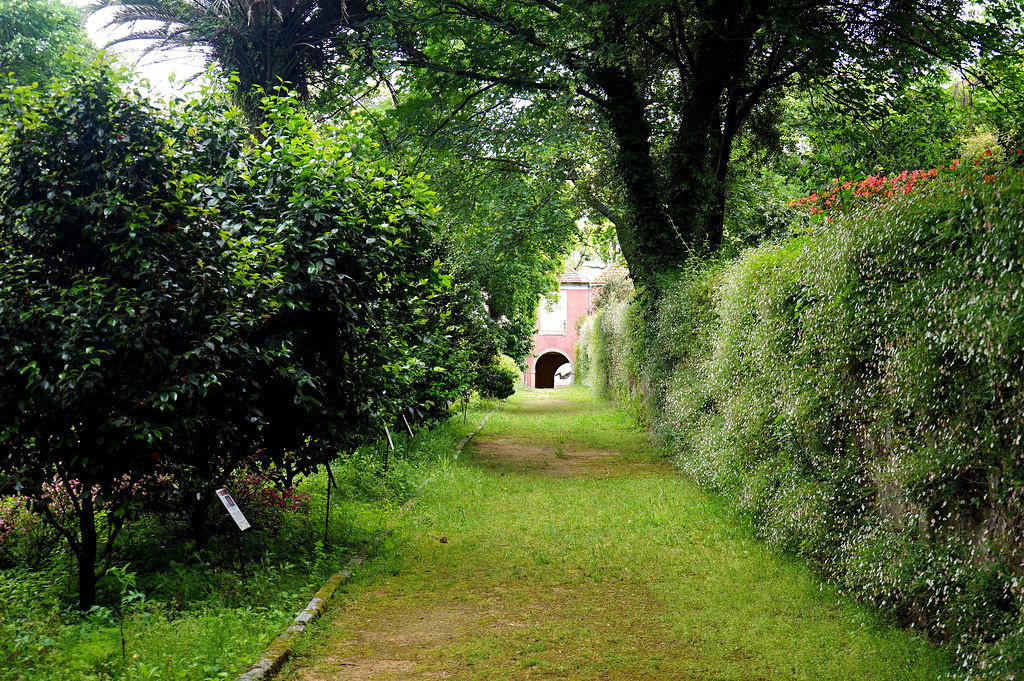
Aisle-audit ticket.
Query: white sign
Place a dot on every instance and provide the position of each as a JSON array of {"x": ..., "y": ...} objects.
[{"x": 236, "y": 513}]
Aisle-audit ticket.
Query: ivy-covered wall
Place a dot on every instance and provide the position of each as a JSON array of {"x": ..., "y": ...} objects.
[{"x": 855, "y": 390}]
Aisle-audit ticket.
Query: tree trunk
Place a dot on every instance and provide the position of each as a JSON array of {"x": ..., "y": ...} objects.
[
  {"x": 87, "y": 552},
  {"x": 197, "y": 521},
  {"x": 698, "y": 184},
  {"x": 649, "y": 240}
]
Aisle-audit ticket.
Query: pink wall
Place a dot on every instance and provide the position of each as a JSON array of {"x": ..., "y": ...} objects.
[{"x": 578, "y": 301}]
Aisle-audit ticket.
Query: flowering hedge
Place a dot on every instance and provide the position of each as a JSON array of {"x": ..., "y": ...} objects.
[
  {"x": 842, "y": 196},
  {"x": 857, "y": 392}
]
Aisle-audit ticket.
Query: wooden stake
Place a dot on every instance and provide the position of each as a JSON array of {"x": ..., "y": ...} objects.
[{"x": 327, "y": 514}]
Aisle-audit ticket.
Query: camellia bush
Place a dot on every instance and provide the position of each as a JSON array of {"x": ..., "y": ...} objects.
[
  {"x": 856, "y": 391},
  {"x": 182, "y": 295}
]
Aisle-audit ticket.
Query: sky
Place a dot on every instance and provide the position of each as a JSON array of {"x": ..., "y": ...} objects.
[{"x": 157, "y": 67}]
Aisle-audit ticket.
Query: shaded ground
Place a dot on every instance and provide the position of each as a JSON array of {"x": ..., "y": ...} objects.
[{"x": 562, "y": 548}]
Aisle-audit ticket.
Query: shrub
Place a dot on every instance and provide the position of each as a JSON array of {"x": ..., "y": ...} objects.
[
  {"x": 267, "y": 504},
  {"x": 176, "y": 292},
  {"x": 499, "y": 379},
  {"x": 24, "y": 537}
]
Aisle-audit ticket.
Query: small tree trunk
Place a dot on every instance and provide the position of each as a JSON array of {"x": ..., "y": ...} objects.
[
  {"x": 197, "y": 521},
  {"x": 87, "y": 551}
]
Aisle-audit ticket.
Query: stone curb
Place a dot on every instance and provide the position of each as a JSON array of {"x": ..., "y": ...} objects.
[
  {"x": 279, "y": 651},
  {"x": 281, "y": 648},
  {"x": 463, "y": 441}
]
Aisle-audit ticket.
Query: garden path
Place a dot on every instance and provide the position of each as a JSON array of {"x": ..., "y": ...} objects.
[{"x": 561, "y": 547}]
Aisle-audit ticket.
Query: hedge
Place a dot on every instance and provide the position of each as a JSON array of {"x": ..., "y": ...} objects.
[{"x": 855, "y": 390}]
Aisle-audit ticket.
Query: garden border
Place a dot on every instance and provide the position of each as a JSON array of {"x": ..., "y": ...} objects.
[{"x": 280, "y": 650}]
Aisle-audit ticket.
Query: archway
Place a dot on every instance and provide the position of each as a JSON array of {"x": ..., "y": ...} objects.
[{"x": 545, "y": 368}]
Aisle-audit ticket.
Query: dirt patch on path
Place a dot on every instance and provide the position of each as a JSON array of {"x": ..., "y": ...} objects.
[
  {"x": 564, "y": 445},
  {"x": 553, "y": 404},
  {"x": 397, "y": 642},
  {"x": 515, "y": 456},
  {"x": 531, "y": 631}
]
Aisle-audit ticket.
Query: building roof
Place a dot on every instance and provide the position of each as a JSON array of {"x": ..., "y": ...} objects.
[{"x": 571, "y": 276}]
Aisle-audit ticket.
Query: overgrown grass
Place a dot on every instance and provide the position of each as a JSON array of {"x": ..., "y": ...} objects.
[
  {"x": 620, "y": 570},
  {"x": 196, "y": 616}
]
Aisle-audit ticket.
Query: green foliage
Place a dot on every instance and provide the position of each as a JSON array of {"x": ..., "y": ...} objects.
[
  {"x": 500, "y": 168},
  {"x": 500, "y": 378},
  {"x": 854, "y": 392},
  {"x": 680, "y": 88},
  {"x": 921, "y": 127},
  {"x": 35, "y": 35},
  {"x": 176, "y": 294}
]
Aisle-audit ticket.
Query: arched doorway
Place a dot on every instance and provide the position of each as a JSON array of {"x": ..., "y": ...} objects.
[{"x": 546, "y": 367}]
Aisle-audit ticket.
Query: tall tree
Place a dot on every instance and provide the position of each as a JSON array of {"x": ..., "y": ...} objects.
[
  {"x": 501, "y": 167},
  {"x": 175, "y": 295},
  {"x": 677, "y": 82}
]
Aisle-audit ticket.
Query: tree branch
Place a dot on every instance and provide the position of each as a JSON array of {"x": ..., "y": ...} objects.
[{"x": 482, "y": 77}]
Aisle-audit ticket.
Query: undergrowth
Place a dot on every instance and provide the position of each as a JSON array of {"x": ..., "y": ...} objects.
[{"x": 172, "y": 611}]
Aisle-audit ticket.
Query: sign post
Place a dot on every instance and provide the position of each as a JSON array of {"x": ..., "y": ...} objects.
[
  {"x": 239, "y": 518},
  {"x": 233, "y": 510},
  {"x": 327, "y": 515},
  {"x": 387, "y": 450}
]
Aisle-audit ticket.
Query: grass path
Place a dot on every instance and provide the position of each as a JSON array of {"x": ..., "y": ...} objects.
[{"x": 561, "y": 547}]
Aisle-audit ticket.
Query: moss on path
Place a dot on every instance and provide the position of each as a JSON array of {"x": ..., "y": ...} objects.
[{"x": 561, "y": 547}]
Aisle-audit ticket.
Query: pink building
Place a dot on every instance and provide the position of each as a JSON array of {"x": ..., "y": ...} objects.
[{"x": 553, "y": 357}]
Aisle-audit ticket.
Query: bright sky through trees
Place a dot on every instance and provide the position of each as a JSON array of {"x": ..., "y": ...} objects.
[{"x": 158, "y": 67}]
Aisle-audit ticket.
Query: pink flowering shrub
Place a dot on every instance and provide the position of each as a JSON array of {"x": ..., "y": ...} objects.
[
  {"x": 266, "y": 504},
  {"x": 60, "y": 495},
  {"x": 28, "y": 520},
  {"x": 23, "y": 534}
]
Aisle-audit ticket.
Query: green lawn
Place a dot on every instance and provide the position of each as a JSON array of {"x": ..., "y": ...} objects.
[{"x": 560, "y": 546}]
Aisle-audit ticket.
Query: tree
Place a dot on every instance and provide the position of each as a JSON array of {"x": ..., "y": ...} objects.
[
  {"x": 95, "y": 303},
  {"x": 501, "y": 168},
  {"x": 34, "y": 37},
  {"x": 994, "y": 91},
  {"x": 677, "y": 83},
  {"x": 922, "y": 127},
  {"x": 505, "y": 212},
  {"x": 267, "y": 43}
]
